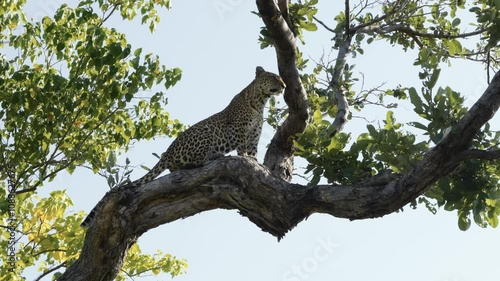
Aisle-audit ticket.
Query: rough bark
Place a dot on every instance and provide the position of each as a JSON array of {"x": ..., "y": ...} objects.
[
  {"x": 337, "y": 88},
  {"x": 273, "y": 204},
  {"x": 279, "y": 156},
  {"x": 263, "y": 194}
]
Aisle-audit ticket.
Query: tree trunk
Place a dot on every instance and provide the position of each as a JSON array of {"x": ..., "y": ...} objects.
[
  {"x": 279, "y": 155},
  {"x": 263, "y": 193},
  {"x": 273, "y": 204}
]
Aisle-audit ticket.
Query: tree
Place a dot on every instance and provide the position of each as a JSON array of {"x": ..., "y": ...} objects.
[
  {"x": 374, "y": 174},
  {"x": 68, "y": 101}
]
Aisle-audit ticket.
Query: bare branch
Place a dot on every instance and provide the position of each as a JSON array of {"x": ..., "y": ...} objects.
[
  {"x": 333, "y": 76},
  {"x": 106, "y": 17},
  {"x": 396, "y": 9},
  {"x": 323, "y": 24},
  {"x": 342, "y": 112},
  {"x": 25, "y": 190},
  {"x": 50, "y": 271},
  {"x": 347, "y": 24},
  {"x": 335, "y": 82}
]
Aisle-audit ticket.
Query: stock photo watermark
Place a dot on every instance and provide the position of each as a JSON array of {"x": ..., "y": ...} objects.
[
  {"x": 324, "y": 249},
  {"x": 45, "y": 8},
  {"x": 10, "y": 261},
  {"x": 222, "y": 7}
]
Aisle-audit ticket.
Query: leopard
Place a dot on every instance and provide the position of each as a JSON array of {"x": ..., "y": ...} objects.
[{"x": 237, "y": 127}]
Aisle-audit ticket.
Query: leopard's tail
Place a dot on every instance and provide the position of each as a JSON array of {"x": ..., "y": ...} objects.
[{"x": 149, "y": 176}]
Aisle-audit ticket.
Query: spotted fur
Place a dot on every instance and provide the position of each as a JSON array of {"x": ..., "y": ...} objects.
[{"x": 237, "y": 127}]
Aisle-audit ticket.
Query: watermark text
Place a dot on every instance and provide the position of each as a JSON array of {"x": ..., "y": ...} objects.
[
  {"x": 11, "y": 222},
  {"x": 324, "y": 249}
]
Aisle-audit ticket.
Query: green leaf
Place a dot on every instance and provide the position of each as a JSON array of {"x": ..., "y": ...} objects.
[
  {"x": 371, "y": 129},
  {"x": 434, "y": 77},
  {"x": 389, "y": 120},
  {"x": 317, "y": 116},
  {"x": 298, "y": 145},
  {"x": 454, "y": 47},
  {"x": 309, "y": 26},
  {"x": 492, "y": 218},
  {"x": 418, "y": 125},
  {"x": 415, "y": 100},
  {"x": 463, "y": 223},
  {"x": 317, "y": 172}
]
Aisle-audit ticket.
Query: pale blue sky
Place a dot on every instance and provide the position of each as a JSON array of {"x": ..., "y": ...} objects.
[{"x": 218, "y": 53}]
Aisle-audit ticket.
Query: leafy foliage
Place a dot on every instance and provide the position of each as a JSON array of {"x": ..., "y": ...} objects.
[
  {"x": 301, "y": 18},
  {"x": 372, "y": 152},
  {"x": 48, "y": 235},
  {"x": 138, "y": 264},
  {"x": 436, "y": 30},
  {"x": 91, "y": 111},
  {"x": 73, "y": 94}
]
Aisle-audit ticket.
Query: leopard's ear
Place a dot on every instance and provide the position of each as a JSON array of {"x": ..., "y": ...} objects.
[{"x": 258, "y": 71}]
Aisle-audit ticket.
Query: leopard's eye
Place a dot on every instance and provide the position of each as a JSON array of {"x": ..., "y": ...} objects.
[{"x": 274, "y": 90}]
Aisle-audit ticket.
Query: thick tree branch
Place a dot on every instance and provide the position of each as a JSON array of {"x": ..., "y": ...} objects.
[
  {"x": 271, "y": 203},
  {"x": 483, "y": 110},
  {"x": 279, "y": 156},
  {"x": 283, "y": 7}
]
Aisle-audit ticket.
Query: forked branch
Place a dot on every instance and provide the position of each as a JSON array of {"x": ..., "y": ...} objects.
[
  {"x": 271, "y": 203},
  {"x": 279, "y": 156}
]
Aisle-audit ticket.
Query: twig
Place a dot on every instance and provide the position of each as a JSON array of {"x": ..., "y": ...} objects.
[{"x": 50, "y": 271}]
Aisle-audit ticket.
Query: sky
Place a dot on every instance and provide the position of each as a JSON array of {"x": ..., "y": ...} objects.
[{"x": 215, "y": 44}]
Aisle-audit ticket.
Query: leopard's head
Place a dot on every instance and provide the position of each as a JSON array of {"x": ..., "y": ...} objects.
[{"x": 269, "y": 84}]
